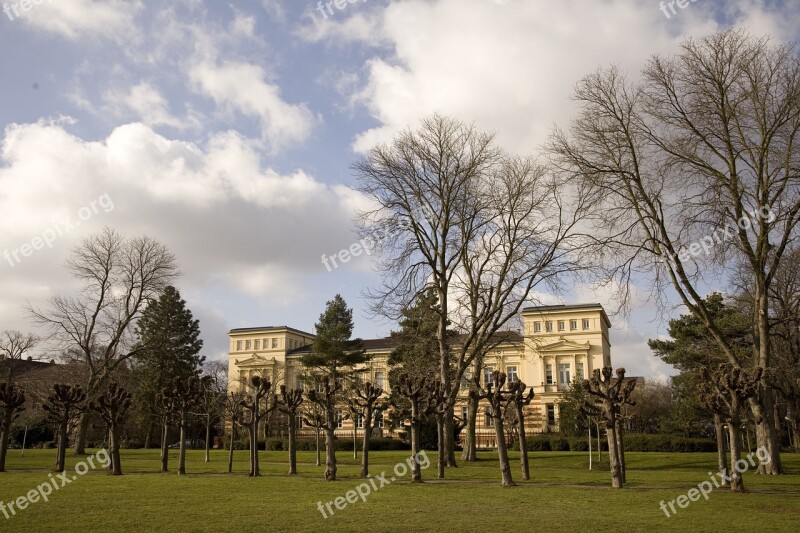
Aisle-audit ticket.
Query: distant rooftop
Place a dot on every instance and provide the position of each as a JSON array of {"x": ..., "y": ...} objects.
[
  {"x": 237, "y": 331},
  {"x": 572, "y": 307}
]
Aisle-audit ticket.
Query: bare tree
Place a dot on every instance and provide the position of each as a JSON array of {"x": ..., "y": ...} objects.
[
  {"x": 13, "y": 347},
  {"x": 256, "y": 406},
  {"x": 315, "y": 417},
  {"x": 694, "y": 169},
  {"x": 211, "y": 406},
  {"x": 417, "y": 391},
  {"x": 119, "y": 276},
  {"x": 480, "y": 227},
  {"x": 182, "y": 397},
  {"x": 288, "y": 402},
  {"x": 234, "y": 414},
  {"x": 64, "y": 405},
  {"x": 165, "y": 409},
  {"x": 113, "y": 406},
  {"x": 731, "y": 387},
  {"x": 606, "y": 394}
]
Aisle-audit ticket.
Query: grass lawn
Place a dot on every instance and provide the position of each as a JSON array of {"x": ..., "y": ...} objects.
[{"x": 563, "y": 496}]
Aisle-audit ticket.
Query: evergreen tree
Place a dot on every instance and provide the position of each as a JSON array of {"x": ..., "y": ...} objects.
[{"x": 169, "y": 345}]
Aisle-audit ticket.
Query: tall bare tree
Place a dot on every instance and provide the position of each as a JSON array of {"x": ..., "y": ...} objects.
[
  {"x": 482, "y": 228},
  {"x": 119, "y": 276},
  {"x": 694, "y": 168}
]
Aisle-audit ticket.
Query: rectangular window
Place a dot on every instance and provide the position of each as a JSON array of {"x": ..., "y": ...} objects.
[
  {"x": 466, "y": 379},
  {"x": 464, "y": 414},
  {"x": 573, "y": 325},
  {"x": 561, "y": 325},
  {"x": 247, "y": 345},
  {"x": 563, "y": 376},
  {"x": 300, "y": 384},
  {"x": 548, "y": 326},
  {"x": 551, "y": 414},
  {"x": 488, "y": 375},
  {"x": 378, "y": 418},
  {"x": 488, "y": 421},
  {"x": 265, "y": 344},
  {"x": 298, "y": 422},
  {"x": 238, "y": 346},
  {"x": 360, "y": 421},
  {"x": 339, "y": 418},
  {"x": 585, "y": 323},
  {"x": 257, "y": 344},
  {"x": 548, "y": 370},
  {"x": 379, "y": 379},
  {"x": 274, "y": 343},
  {"x": 511, "y": 372},
  {"x": 579, "y": 371},
  {"x": 537, "y": 327}
]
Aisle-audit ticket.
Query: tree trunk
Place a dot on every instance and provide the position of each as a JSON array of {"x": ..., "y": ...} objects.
[
  {"x": 355, "y": 441},
  {"x": 317, "y": 440},
  {"x": 165, "y": 448},
  {"x": 416, "y": 473},
  {"x": 80, "y": 436},
  {"x": 613, "y": 457},
  {"x": 330, "y": 449},
  {"x": 621, "y": 450},
  {"x": 62, "y": 447},
  {"x": 5, "y": 434},
  {"x": 365, "y": 446},
  {"x": 502, "y": 452},
  {"x": 523, "y": 444},
  {"x": 148, "y": 436},
  {"x": 292, "y": 445},
  {"x": 255, "y": 470},
  {"x": 230, "y": 453},
  {"x": 116, "y": 465},
  {"x": 182, "y": 456},
  {"x": 722, "y": 457},
  {"x": 450, "y": 437},
  {"x": 441, "y": 459},
  {"x": 737, "y": 482},
  {"x": 766, "y": 437},
  {"x": 470, "y": 453},
  {"x": 208, "y": 438}
]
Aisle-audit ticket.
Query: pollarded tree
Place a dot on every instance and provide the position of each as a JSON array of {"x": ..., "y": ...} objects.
[
  {"x": 234, "y": 415},
  {"x": 12, "y": 403},
  {"x": 417, "y": 391},
  {"x": 519, "y": 400},
  {"x": 366, "y": 395},
  {"x": 316, "y": 418},
  {"x": 499, "y": 403},
  {"x": 327, "y": 398},
  {"x": 63, "y": 406},
  {"x": 113, "y": 406},
  {"x": 182, "y": 397},
  {"x": 606, "y": 395},
  {"x": 730, "y": 388},
  {"x": 288, "y": 402},
  {"x": 256, "y": 406},
  {"x": 164, "y": 408}
]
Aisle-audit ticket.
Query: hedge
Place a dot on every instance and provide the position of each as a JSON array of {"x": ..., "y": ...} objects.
[
  {"x": 341, "y": 445},
  {"x": 634, "y": 442}
]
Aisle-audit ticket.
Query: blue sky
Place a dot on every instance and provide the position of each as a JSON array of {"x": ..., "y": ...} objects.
[{"x": 227, "y": 129}]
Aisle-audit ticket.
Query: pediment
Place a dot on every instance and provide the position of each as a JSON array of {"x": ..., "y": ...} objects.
[
  {"x": 256, "y": 361},
  {"x": 564, "y": 345}
]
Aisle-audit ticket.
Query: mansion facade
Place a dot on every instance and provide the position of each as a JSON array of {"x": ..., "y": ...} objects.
[{"x": 558, "y": 344}]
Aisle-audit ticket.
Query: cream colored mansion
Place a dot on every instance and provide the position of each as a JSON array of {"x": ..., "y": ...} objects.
[{"x": 559, "y": 343}]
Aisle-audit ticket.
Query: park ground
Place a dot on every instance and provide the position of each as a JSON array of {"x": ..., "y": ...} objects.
[{"x": 562, "y": 496}]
